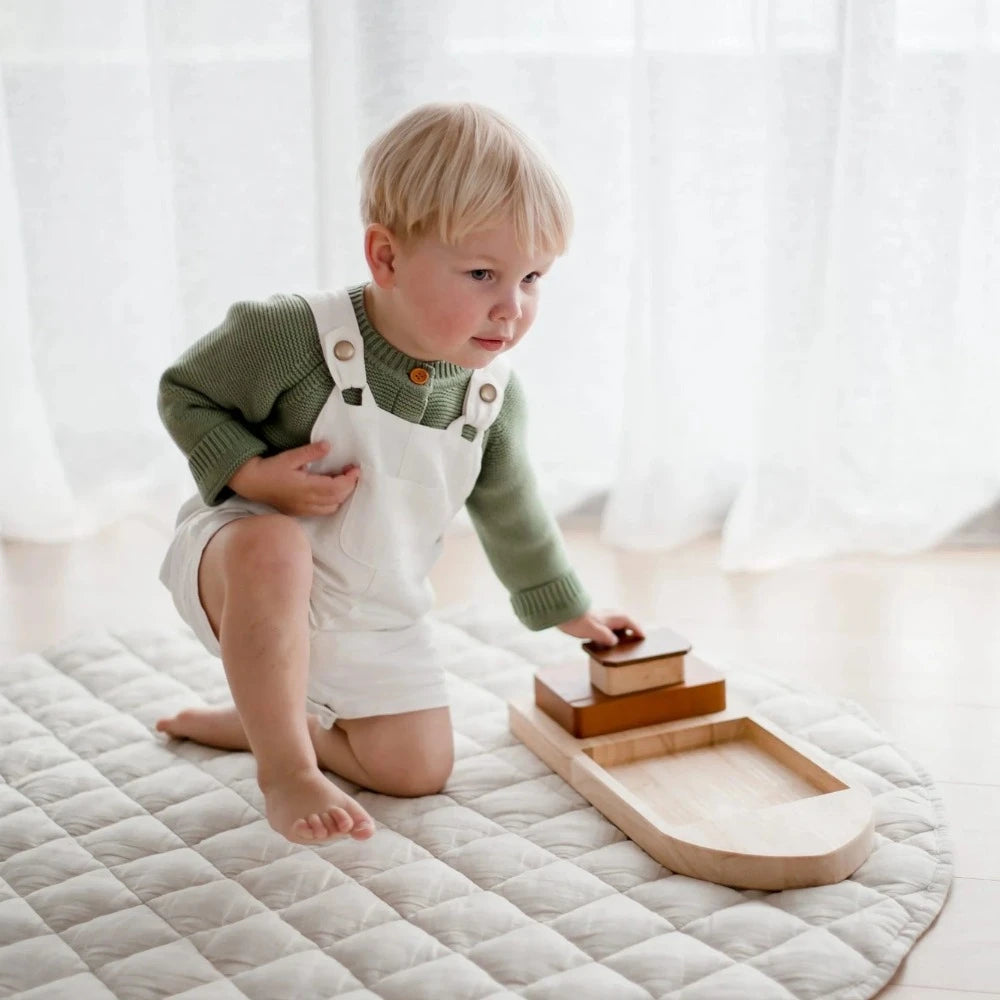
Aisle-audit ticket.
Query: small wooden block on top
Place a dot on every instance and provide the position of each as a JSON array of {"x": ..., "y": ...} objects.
[{"x": 638, "y": 664}]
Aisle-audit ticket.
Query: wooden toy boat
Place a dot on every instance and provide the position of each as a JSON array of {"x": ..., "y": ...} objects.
[{"x": 724, "y": 797}]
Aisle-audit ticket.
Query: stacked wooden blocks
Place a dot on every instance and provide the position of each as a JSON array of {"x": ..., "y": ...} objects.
[{"x": 639, "y": 682}]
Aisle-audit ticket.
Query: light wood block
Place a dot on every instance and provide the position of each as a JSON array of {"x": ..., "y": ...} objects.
[
  {"x": 730, "y": 799},
  {"x": 636, "y": 676},
  {"x": 566, "y": 694},
  {"x": 655, "y": 660}
]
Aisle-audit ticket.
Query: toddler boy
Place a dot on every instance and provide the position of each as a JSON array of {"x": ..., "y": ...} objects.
[{"x": 333, "y": 437}]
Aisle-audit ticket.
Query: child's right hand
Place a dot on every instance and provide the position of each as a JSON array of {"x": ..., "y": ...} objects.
[{"x": 284, "y": 482}]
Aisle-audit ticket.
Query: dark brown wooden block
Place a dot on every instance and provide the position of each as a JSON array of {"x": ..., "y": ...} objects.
[
  {"x": 566, "y": 694},
  {"x": 656, "y": 645}
]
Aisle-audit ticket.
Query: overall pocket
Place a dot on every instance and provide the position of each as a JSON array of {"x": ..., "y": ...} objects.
[{"x": 394, "y": 526}]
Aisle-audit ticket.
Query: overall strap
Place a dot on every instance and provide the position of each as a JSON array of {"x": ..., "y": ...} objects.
[
  {"x": 484, "y": 396},
  {"x": 339, "y": 337}
]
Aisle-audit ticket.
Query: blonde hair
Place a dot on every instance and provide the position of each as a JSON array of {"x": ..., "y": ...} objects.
[{"x": 453, "y": 169}]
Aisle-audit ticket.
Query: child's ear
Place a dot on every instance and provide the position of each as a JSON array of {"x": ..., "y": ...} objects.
[{"x": 380, "y": 252}]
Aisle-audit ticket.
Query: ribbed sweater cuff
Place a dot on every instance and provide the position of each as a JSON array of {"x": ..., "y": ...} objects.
[
  {"x": 551, "y": 603},
  {"x": 219, "y": 454}
]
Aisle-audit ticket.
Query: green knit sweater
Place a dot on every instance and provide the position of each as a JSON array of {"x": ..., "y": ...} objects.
[{"x": 256, "y": 383}]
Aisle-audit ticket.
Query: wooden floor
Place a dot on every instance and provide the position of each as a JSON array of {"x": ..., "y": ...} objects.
[{"x": 915, "y": 641}]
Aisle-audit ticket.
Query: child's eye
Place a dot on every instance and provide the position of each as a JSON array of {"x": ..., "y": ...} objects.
[
  {"x": 530, "y": 279},
  {"x": 479, "y": 274}
]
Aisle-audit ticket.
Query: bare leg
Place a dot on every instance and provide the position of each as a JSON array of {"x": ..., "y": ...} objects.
[
  {"x": 408, "y": 754},
  {"x": 214, "y": 727},
  {"x": 405, "y": 755},
  {"x": 254, "y": 584}
]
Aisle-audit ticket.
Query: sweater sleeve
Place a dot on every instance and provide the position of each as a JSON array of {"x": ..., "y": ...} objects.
[
  {"x": 519, "y": 535},
  {"x": 226, "y": 384}
]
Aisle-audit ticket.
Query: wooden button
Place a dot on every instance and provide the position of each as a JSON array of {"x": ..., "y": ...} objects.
[
  {"x": 419, "y": 376},
  {"x": 487, "y": 392},
  {"x": 343, "y": 350}
]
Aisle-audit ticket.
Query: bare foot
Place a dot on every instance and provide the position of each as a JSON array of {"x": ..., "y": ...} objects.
[
  {"x": 305, "y": 807},
  {"x": 215, "y": 727}
]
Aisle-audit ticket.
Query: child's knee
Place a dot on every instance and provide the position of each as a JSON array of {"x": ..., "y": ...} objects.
[
  {"x": 422, "y": 768},
  {"x": 414, "y": 778},
  {"x": 269, "y": 548}
]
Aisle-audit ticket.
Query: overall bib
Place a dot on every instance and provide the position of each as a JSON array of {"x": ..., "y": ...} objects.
[{"x": 373, "y": 652}]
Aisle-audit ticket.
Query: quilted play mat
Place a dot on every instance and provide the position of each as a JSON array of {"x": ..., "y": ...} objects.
[{"x": 135, "y": 867}]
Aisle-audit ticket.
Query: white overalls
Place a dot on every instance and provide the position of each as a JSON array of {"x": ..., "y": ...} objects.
[{"x": 372, "y": 650}]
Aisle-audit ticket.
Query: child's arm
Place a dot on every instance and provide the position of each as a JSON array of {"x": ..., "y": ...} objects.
[
  {"x": 214, "y": 398},
  {"x": 521, "y": 538}
]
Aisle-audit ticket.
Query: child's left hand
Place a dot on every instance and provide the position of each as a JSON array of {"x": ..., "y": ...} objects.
[{"x": 597, "y": 627}]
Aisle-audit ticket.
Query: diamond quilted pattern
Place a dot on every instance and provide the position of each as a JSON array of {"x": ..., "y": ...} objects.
[
  {"x": 808, "y": 964},
  {"x": 35, "y": 961},
  {"x": 304, "y": 974},
  {"x": 491, "y": 861},
  {"x": 737, "y": 982},
  {"x": 586, "y": 982},
  {"x": 667, "y": 963},
  {"x": 118, "y": 936},
  {"x": 424, "y": 883},
  {"x": 149, "y": 975},
  {"x": 51, "y": 863},
  {"x": 130, "y": 839},
  {"x": 525, "y": 955},
  {"x": 462, "y": 979},
  {"x": 135, "y": 867},
  {"x": 575, "y": 833},
  {"x": 447, "y": 828},
  {"x": 25, "y": 828},
  {"x": 587, "y": 926},
  {"x": 285, "y": 881},
  {"x": 557, "y": 888},
  {"x": 57, "y": 783},
  {"x": 519, "y": 806},
  {"x": 18, "y": 921},
  {"x": 746, "y": 931},
  {"x": 203, "y": 907},
  {"x": 79, "y": 899},
  {"x": 92, "y": 810},
  {"x": 82, "y": 985},
  {"x": 467, "y": 921},
  {"x": 381, "y": 951},
  {"x": 338, "y": 913},
  {"x": 622, "y": 864},
  {"x": 249, "y": 944}
]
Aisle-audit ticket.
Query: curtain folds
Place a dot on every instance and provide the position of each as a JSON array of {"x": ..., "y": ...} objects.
[{"x": 777, "y": 319}]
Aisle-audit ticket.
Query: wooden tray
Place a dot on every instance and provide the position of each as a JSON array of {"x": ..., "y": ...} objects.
[{"x": 727, "y": 797}]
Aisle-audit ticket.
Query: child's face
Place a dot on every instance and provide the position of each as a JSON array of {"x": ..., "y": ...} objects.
[{"x": 467, "y": 303}]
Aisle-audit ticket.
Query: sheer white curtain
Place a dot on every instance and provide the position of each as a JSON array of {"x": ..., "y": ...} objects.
[
  {"x": 775, "y": 316},
  {"x": 814, "y": 338}
]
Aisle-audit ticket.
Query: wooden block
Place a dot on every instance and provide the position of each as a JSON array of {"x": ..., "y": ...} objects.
[
  {"x": 636, "y": 664},
  {"x": 566, "y": 694},
  {"x": 658, "y": 644},
  {"x": 636, "y": 676}
]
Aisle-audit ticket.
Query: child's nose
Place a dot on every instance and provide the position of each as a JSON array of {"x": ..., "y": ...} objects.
[{"x": 507, "y": 309}]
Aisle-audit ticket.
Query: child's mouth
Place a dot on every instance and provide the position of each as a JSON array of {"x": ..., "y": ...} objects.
[{"x": 489, "y": 345}]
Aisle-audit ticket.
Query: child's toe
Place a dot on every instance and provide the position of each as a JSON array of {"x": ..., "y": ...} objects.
[
  {"x": 363, "y": 830},
  {"x": 301, "y": 830},
  {"x": 363, "y": 825},
  {"x": 340, "y": 820}
]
